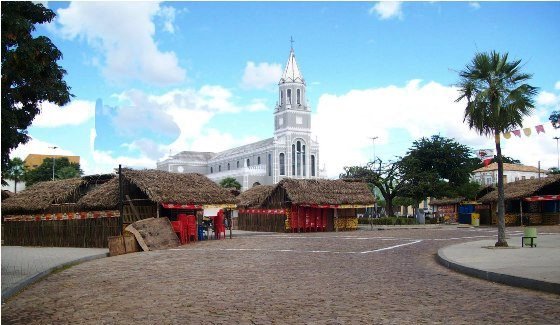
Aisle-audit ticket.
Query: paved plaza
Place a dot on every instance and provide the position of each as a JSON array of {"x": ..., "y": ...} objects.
[{"x": 361, "y": 277}]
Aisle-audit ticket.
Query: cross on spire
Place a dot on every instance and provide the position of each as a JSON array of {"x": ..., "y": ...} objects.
[{"x": 291, "y": 43}]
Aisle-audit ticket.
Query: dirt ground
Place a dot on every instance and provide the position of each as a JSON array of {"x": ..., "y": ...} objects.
[{"x": 361, "y": 277}]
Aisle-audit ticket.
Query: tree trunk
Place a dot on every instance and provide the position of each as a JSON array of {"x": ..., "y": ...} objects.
[
  {"x": 389, "y": 207},
  {"x": 501, "y": 208}
]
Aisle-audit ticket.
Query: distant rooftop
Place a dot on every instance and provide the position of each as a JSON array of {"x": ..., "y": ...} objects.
[{"x": 509, "y": 167}]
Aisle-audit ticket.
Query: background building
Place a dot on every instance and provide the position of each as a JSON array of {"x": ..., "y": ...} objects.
[
  {"x": 291, "y": 152},
  {"x": 512, "y": 172}
]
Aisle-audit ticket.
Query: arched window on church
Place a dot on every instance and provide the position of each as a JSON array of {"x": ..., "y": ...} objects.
[
  {"x": 312, "y": 165},
  {"x": 219, "y": 168},
  {"x": 298, "y": 96},
  {"x": 228, "y": 166},
  {"x": 237, "y": 164},
  {"x": 303, "y": 159},
  {"x": 282, "y": 168},
  {"x": 281, "y": 97},
  {"x": 211, "y": 170},
  {"x": 248, "y": 162},
  {"x": 258, "y": 160},
  {"x": 269, "y": 165},
  {"x": 289, "y": 95},
  {"x": 293, "y": 159}
]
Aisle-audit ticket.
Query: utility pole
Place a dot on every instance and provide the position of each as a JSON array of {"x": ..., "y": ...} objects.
[
  {"x": 373, "y": 139},
  {"x": 53, "y": 161},
  {"x": 557, "y": 154}
]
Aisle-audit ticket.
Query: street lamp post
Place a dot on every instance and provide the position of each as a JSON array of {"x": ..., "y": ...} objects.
[
  {"x": 373, "y": 139},
  {"x": 53, "y": 161},
  {"x": 557, "y": 154}
]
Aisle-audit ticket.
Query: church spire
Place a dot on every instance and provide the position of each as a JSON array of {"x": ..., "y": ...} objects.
[{"x": 292, "y": 73}]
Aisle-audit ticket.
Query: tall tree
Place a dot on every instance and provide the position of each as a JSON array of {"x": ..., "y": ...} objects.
[
  {"x": 15, "y": 171},
  {"x": 230, "y": 182},
  {"x": 63, "y": 169},
  {"x": 437, "y": 167},
  {"x": 498, "y": 98},
  {"x": 384, "y": 176},
  {"x": 30, "y": 73}
]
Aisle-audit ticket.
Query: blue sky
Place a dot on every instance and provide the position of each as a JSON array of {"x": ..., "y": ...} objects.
[{"x": 174, "y": 76}]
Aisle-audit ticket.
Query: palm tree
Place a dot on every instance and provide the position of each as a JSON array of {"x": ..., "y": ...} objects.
[
  {"x": 15, "y": 172},
  {"x": 497, "y": 100}
]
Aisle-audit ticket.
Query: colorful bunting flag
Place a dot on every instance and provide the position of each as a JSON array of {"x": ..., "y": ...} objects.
[
  {"x": 517, "y": 133},
  {"x": 539, "y": 128},
  {"x": 527, "y": 131},
  {"x": 507, "y": 135}
]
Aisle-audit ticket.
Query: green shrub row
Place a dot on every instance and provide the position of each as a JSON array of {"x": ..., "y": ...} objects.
[{"x": 388, "y": 221}]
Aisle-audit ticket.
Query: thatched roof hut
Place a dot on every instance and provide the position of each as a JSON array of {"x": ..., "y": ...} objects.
[
  {"x": 6, "y": 194},
  {"x": 447, "y": 201},
  {"x": 525, "y": 188},
  {"x": 178, "y": 188},
  {"x": 43, "y": 195},
  {"x": 324, "y": 192},
  {"x": 102, "y": 197},
  {"x": 255, "y": 196}
]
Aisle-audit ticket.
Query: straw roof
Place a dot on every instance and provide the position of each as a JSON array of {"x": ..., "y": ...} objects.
[
  {"x": 526, "y": 188},
  {"x": 255, "y": 196},
  {"x": 6, "y": 194},
  {"x": 104, "y": 196},
  {"x": 41, "y": 195},
  {"x": 326, "y": 191},
  {"x": 447, "y": 201},
  {"x": 188, "y": 188}
]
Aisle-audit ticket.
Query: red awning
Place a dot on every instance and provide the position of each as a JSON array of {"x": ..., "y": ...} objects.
[
  {"x": 181, "y": 206},
  {"x": 542, "y": 198}
]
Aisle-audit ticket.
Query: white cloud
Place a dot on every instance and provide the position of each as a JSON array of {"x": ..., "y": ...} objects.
[
  {"x": 262, "y": 75},
  {"x": 74, "y": 113},
  {"x": 547, "y": 99},
  {"x": 345, "y": 123},
  {"x": 557, "y": 85},
  {"x": 39, "y": 147},
  {"x": 124, "y": 34},
  {"x": 387, "y": 10},
  {"x": 474, "y": 5},
  {"x": 168, "y": 16}
]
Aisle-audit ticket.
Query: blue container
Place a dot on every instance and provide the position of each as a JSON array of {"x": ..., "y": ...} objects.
[
  {"x": 200, "y": 233},
  {"x": 465, "y": 218}
]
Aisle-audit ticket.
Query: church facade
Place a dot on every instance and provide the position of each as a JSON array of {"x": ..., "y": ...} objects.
[{"x": 291, "y": 152}]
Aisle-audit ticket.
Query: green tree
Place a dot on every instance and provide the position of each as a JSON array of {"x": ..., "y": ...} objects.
[
  {"x": 497, "y": 98},
  {"x": 555, "y": 119},
  {"x": 230, "y": 182},
  {"x": 554, "y": 171},
  {"x": 30, "y": 73},
  {"x": 436, "y": 167},
  {"x": 384, "y": 176},
  {"x": 63, "y": 169},
  {"x": 15, "y": 171}
]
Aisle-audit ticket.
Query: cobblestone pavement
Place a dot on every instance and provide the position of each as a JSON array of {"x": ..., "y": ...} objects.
[{"x": 362, "y": 277}]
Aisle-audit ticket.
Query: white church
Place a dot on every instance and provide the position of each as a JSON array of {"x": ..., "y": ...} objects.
[{"x": 291, "y": 152}]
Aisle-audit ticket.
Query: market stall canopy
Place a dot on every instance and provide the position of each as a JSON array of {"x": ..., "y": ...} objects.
[
  {"x": 326, "y": 193},
  {"x": 526, "y": 188},
  {"x": 179, "y": 188},
  {"x": 542, "y": 198}
]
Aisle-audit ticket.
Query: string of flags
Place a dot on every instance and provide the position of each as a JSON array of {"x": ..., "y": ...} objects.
[{"x": 527, "y": 131}]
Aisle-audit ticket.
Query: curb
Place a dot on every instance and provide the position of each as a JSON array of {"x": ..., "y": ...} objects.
[
  {"x": 21, "y": 285},
  {"x": 510, "y": 280}
]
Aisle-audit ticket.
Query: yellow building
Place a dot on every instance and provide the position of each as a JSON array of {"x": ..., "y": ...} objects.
[{"x": 33, "y": 161}]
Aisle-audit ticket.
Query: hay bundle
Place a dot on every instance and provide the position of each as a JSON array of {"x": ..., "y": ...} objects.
[
  {"x": 326, "y": 191},
  {"x": 188, "y": 188},
  {"x": 525, "y": 188}
]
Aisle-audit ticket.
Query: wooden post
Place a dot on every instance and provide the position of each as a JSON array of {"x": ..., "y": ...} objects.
[
  {"x": 521, "y": 211},
  {"x": 335, "y": 219},
  {"x": 121, "y": 214}
]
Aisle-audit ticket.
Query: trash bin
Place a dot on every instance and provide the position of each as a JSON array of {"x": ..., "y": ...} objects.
[
  {"x": 475, "y": 219},
  {"x": 530, "y": 233}
]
